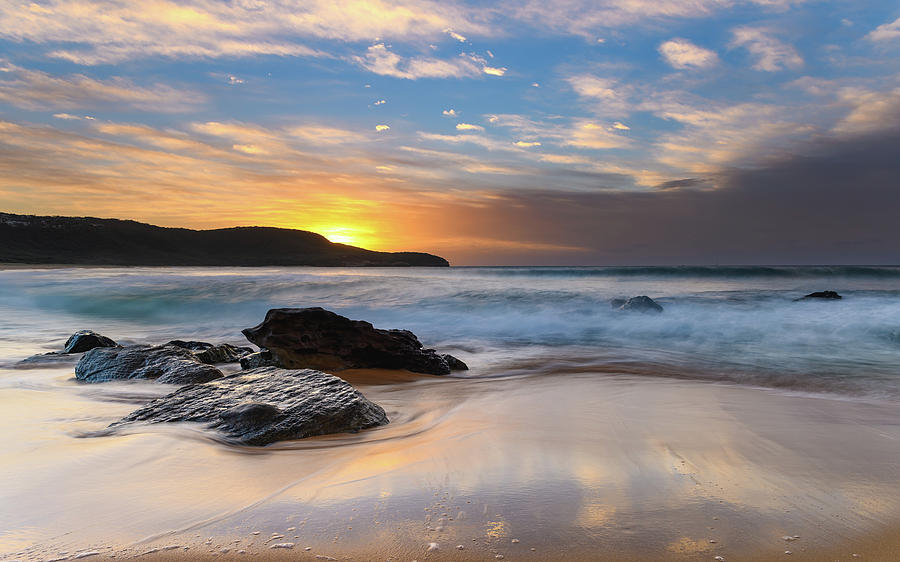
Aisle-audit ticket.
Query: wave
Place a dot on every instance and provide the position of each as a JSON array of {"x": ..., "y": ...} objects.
[{"x": 785, "y": 272}]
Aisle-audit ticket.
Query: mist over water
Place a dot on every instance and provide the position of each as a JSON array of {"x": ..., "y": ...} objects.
[{"x": 735, "y": 324}]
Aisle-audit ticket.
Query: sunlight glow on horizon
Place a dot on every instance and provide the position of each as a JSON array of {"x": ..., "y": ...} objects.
[
  {"x": 348, "y": 235},
  {"x": 577, "y": 132}
]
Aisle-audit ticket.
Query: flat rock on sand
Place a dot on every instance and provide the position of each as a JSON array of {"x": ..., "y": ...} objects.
[
  {"x": 320, "y": 339},
  {"x": 165, "y": 364},
  {"x": 261, "y": 406}
]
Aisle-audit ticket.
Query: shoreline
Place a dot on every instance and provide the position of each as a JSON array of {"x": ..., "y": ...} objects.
[{"x": 635, "y": 469}]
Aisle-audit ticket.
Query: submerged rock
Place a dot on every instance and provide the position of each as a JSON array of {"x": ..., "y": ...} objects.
[
  {"x": 166, "y": 364},
  {"x": 85, "y": 340},
  {"x": 262, "y": 358},
  {"x": 264, "y": 405},
  {"x": 45, "y": 359},
  {"x": 212, "y": 354},
  {"x": 827, "y": 295},
  {"x": 320, "y": 339},
  {"x": 642, "y": 303}
]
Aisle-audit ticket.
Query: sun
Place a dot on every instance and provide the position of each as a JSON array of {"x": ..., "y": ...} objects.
[{"x": 343, "y": 235}]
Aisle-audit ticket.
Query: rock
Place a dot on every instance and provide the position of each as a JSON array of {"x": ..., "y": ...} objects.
[
  {"x": 617, "y": 303},
  {"x": 642, "y": 303},
  {"x": 46, "y": 359},
  {"x": 454, "y": 363},
  {"x": 213, "y": 354},
  {"x": 85, "y": 340},
  {"x": 262, "y": 358},
  {"x": 264, "y": 405},
  {"x": 320, "y": 339},
  {"x": 827, "y": 295},
  {"x": 166, "y": 364}
]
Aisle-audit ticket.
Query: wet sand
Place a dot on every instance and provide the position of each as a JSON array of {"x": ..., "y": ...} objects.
[{"x": 574, "y": 466}]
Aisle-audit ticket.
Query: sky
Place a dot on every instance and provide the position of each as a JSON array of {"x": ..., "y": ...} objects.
[{"x": 571, "y": 132}]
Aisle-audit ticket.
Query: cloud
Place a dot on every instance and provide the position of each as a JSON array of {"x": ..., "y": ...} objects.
[
  {"x": 493, "y": 71},
  {"x": 837, "y": 205},
  {"x": 771, "y": 54},
  {"x": 36, "y": 90},
  {"x": 380, "y": 60},
  {"x": 587, "y": 134},
  {"x": 715, "y": 134},
  {"x": 455, "y": 35},
  {"x": 480, "y": 140},
  {"x": 610, "y": 98},
  {"x": 449, "y": 113},
  {"x": 885, "y": 31},
  {"x": 578, "y": 133},
  {"x": 234, "y": 80},
  {"x": 621, "y": 126},
  {"x": 66, "y": 116},
  {"x": 681, "y": 53},
  {"x": 380, "y": 102},
  {"x": 527, "y": 144},
  {"x": 323, "y": 134},
  {"x": 468, "y": 127},
  {"x": 248, "y": 149},
  {"x": 587, "y": 17},
  {"x": 869, "y": 110},
  {"x": 380, "y": 128},
  {"x": 285, "y": 141},
  {"x": 98, "y": 31}
]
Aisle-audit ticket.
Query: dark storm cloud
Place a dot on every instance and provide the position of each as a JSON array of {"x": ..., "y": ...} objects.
[{"x": 841, "y": 205}]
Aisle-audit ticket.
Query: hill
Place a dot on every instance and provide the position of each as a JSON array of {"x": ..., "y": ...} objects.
[{"x": 93, "y": 241}]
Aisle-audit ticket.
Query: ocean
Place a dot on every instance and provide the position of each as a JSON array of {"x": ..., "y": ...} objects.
[{"x": 733, "y": 324}]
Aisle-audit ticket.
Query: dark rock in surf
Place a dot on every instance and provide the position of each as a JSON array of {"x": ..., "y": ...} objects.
[
  {"x": 213, "y": 354},
  {"x": 454, "y": 363},
  {"x": 825, "y": 295},
  {"x": 85, "y": 340},
  {"x": 165, "y": 364},
  {"x": 46, "y": 359},
  {"x": 320, "y": 339},
  {"x": 617, "y": 303},
  {"x": 262, "y": 358},
  {"x": 261, "y": 406},
  {"x": 641, "y": 304}
]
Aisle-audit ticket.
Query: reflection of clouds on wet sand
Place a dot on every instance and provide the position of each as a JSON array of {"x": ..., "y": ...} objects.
[{"x": 569, "y": 463}]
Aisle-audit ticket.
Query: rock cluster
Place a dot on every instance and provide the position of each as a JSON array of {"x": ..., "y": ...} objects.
[{"x": 278, "y": 395}]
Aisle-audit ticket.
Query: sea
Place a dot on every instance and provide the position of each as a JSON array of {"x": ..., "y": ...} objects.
[{"x": 740, "y": 325}]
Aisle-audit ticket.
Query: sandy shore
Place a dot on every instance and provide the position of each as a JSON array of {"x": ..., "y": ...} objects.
[{"x": 571, "y": 467}]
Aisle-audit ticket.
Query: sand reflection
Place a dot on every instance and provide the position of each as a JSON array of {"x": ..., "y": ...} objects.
[{"x": 570, "y": 464}]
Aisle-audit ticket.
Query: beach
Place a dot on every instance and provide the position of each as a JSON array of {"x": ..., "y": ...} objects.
[{"x": 577, "y": 433}]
